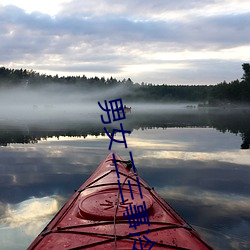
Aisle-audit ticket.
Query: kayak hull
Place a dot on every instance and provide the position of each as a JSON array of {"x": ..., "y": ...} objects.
[{"x": 95, "y": 216}]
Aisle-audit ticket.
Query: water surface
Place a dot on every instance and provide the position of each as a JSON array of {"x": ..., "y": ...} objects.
[{"x": 193, "y": 158}]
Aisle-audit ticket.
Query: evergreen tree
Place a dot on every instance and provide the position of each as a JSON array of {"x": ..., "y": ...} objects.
[{"x": 246, "y": 69}]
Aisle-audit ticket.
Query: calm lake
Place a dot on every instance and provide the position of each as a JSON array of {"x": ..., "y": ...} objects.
[{"x": 198, "y": 160}]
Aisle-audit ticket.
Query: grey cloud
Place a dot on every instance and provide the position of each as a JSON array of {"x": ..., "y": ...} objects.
[
  {"x": 85, "y": 68},
  {"x": 134, "y": 8},
  {"x": 220, "y": 31},
  {"x": 209, "y": 71},
  {"x": 98, "y": 40},
  {"x": 217, "y": 31}
]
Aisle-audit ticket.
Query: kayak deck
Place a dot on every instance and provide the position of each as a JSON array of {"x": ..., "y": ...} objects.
[{"x": 94, "y": 217}]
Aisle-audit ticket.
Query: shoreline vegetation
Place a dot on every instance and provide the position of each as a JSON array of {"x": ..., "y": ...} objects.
[
  {"x": 32, "y": 131},
  {"x": 222, "y": 95}
]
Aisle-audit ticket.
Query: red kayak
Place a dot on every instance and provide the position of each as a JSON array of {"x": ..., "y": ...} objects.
[{"x": 116, "y": 209}]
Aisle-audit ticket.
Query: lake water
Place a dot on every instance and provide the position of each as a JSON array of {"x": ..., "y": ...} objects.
[{"x": 197, "y": 160}]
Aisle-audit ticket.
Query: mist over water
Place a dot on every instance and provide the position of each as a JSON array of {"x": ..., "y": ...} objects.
[
  {"x": 61, "y": 102},
  {"x": 59, "y": 107},
  {"x": 52, "y": 139},
  {"x": 55, "y": 102}
]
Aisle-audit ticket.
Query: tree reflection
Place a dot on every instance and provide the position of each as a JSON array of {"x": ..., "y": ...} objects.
[
  {"x": 246, "y": 141},
  {"x": 231, "y": 121}
]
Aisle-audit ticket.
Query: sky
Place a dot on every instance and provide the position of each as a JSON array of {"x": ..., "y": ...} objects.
[{"x": 151, "y": 41}]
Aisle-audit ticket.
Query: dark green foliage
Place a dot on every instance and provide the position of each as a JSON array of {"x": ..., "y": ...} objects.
[
  {"x": 222, "y": 93},
  {"x": 234, "y": 92},
  {"x": 246, "y": 75}
]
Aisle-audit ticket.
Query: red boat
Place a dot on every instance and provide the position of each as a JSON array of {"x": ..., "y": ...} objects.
[{"x": 96, "y": 217}]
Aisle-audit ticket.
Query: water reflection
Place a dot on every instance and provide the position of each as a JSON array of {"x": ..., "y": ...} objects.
[
  {"x": 29, "y": 210},
  {"x": 23, "y": 131},
  {"x": 193, "y": 161},
  {"x": 20, "y": 222}
]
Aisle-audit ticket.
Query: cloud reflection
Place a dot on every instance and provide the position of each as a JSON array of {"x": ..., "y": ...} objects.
[
  {"x": 198, "y": 171},
  {"x": 22, "y": 222},
  {"x": 221, "y": 213},
  {"x": 222, "y": 156},
  {"x": 29, "y": 211},
  {"x": 228, "y": 203}
]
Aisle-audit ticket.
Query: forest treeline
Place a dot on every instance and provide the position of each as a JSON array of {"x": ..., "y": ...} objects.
[{"x": 236, "y": 91}]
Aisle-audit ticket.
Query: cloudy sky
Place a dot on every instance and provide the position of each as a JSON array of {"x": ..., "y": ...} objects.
[{"x": 154, "y": 41}]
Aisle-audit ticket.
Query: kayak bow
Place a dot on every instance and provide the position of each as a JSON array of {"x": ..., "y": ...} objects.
[{"x": 94, "y": 216}]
